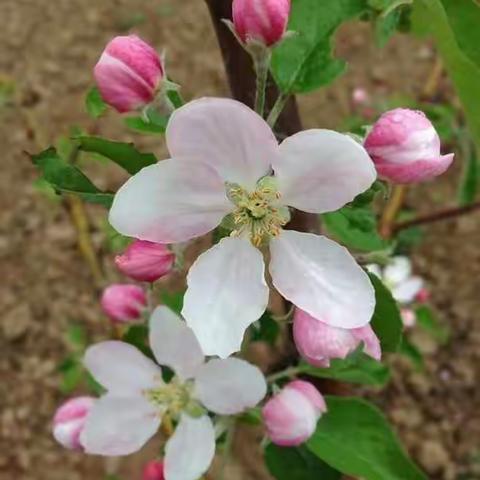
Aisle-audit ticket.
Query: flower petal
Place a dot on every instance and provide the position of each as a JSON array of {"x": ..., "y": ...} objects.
[
  {"x": 119, "y": 425},
  {"x": 172, "y": 201},
  {"x": 121, "y": 368},
  {"x": 322, "y": 278},
  {"x": 321, "y": 170},
  {"x": 398, "y": 270},
  {"x": 190, "y": 451},
  {"x": 229, "y": 386},
  {"x": 226, "y": 293},
  {"x": 174, "y": 344},
  {"x": 405, "y": 292},
  {"x": 227, "y": 135}
]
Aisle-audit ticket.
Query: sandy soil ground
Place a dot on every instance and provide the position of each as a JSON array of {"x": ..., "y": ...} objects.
[{"x": 47, "y": 50}]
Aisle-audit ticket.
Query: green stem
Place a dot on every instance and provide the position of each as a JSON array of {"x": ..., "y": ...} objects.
[
  {"x": 262, "y": 64},
  {"x": 288, "y": 372},
  {"x": 277, "y": 109}
]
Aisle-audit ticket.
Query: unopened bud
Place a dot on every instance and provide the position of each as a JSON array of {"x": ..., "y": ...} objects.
[
  {"x": 153, "y": 470},
  {"x": 123, "y": 303}
]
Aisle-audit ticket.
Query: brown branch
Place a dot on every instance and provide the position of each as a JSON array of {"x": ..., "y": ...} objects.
[
  {"x": 446, "y": 214},
  {"x": 391, "y": 210}
]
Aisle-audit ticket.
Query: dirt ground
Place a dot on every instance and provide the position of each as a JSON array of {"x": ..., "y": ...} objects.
[{"x": 47, "y": 51}]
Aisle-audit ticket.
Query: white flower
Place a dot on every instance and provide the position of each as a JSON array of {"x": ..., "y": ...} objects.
[
  {"x": 131, "y": 411},
  {"x": 397, "y": 277},
  {"x": 227, "y": 162}
]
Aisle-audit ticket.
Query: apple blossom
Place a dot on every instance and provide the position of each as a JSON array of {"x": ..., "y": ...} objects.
[
  {"x": 226, "y": 163},
  {"x": 129, "y": 73},
  {"x": 145, "y": 261},
  {"x": 263, "y": 21},
  {"x": 153, "y": 470},
  {"x": 318, "y": 343},
  {"x": 405, "y": 147},
  {"x": 123, "y": 303},
  {"x": 291, "y": 415},
  {"x": 69, "y": 421},
  {"x": 131, "y": 411}
]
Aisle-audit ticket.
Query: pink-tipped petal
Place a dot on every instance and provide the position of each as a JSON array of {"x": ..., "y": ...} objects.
[
  {"x": 170, "y": 202},
  {"x": 145, "y": 261},
  {"x": 261, "y": 20},
  {"x": 322, "y": 278},
  {"x": 229, "y": 386},
  {"x": 226, "y": 293},
  {"x": 225, "y": 134},
  {"x": 321, "y": 170}
]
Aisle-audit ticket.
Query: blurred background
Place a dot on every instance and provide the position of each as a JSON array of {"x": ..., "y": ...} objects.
[{"x": 49, "y": 292}]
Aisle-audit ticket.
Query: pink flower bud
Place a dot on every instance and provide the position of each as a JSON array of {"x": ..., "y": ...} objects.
[
  {"x": 128, "y": 73},
  {"x": 123, "y": 303},
  {"x": 261, "y": 20},
  {"x": 69, "y": 421},
  {"x": 423, "y": 296},
  {"x": 409, "y": 318},
  {"x": 145, "y": 261},
  {"x": 360, "y": 97},
  {"x": 405, "y": 147},
  {"x": 318, "y": 342},
  {"x": 291, "y": 415},
  {"x": 153, "y": 471}
]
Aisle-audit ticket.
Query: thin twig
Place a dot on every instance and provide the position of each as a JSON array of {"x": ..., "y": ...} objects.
[
  {"x": 446, "y": 214},
  {"x": 391, "y": 210}
]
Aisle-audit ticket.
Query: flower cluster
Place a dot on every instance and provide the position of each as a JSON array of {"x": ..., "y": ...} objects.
[{"x": 228, "y": 170}]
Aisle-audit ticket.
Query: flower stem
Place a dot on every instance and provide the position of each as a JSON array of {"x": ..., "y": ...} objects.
[
  {"x": 277, "y": 109},
  {"x": 227, "y": 451},
  {"x": 261, "y": 61},
  {"x": 288, "y": 372}
]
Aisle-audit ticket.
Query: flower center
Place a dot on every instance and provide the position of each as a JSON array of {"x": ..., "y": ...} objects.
[
  {"x": 258, "y": 214},
  {"x": 171, "y": 397}
]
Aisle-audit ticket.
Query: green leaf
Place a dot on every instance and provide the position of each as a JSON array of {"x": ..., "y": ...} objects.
[
  {"x": 355, "y": 438},
  {"x": 77, "y": 336},
  {"x": 139, "y": 124},
  {"x": 304, "y": 62},
  {"x": 94, "y": 103},
  {"x": 470, "y": 180},
  {"x": 72, "y": 374},
  {"x": 66, "y": 178},
  {"x": 408, "y": 349},
  {"x": 174, "y": 300},
  {"x": 123, "y": 154},
  {"x": 297, "y": 464},
  {"x": 251, "y": 417},
  {"x": 429, "y": 17},
  {"x": 356, "y": 368},
  {"x": 386, "y": 26},
  {"x": 137, "y": 335},
  {"x": 386, "y": 321},
  {"x": 266, "y": 329},
  {"x": 355, "y": 227},
  {"x": 464, "y": 19},
  {"x": 429, "y": 322}
]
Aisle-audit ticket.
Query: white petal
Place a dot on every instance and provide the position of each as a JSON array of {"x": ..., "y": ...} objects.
[
  {"x": 174, "y": 344},
  {"x": 229, "y": 386},
  {"x": 119, "y": 425},
  {"x": 322, "y": 170},
  {"x": 398, "y": 270},
  {"x": 225, "y": 133},
  {"x": 226, "y": 293},
  {"x": 405, "y": 292},
  {"x": 121, "y": 368},
  {"x": 172, "y": 201},
  {"x": 322, "y": 278},
  {"x": 190, "y": 451}
]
